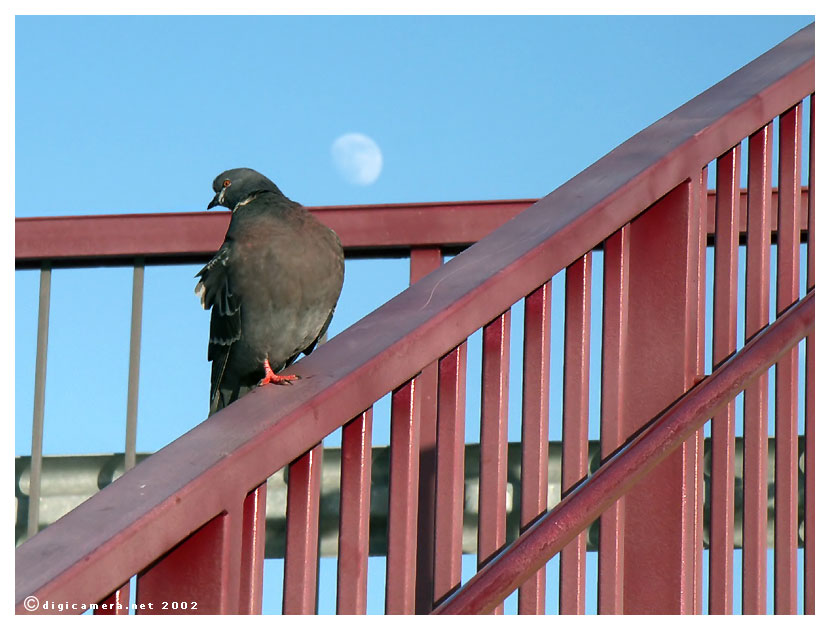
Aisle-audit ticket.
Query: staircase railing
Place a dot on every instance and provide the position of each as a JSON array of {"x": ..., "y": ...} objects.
[{"x": 189, "y": 520}]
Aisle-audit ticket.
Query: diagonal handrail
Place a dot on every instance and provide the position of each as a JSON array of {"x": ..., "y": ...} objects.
[
  {"x": 658, "y": 439},
  {"x": 139, "y": 517}
]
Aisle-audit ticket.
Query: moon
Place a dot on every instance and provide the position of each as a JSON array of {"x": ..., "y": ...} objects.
[{"x": 357, "y": 158}]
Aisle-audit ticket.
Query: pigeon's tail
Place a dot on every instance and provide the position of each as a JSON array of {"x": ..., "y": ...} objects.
[{"x": 224, "y": 396}]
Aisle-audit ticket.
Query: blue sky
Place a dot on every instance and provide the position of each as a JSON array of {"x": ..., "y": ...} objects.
[{"x": 138, "y": 114}]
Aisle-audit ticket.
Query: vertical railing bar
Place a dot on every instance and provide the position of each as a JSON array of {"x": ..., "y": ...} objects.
[
  {"x": 810, "y": 392},
  {"x": 699, "y": 483},
  {"x": 572, "y": 562},
  {"x": 786, "y": 370},
  {"x": 355, "y": 498},
  {"x": 724, "y": 343},
  {"x": 204, "y": 567},
  {"x": 616, "y": 257},
  {"x": 116, "y": 603},
  {"x": 756, "y": 403},
  {"x": 135, "y": 357},
  {"x": 492, "y": 489},
  {"x": 811, "y": 200},
  {"x": 692, "y": 449},
  {"x": 253, "y": 551},
  {"x": 40, "y": 397},
  {"x": 703, "y": 204},
  {"x": 301, "y": 537},
  {"x": 449, "y": 492},
  {"x": 425, "y": 531},
  {"x": 422, "y": 261},
  {"x": 535, "y": 410},
  {"x": 401, "y": 537},
  {"x": 233, "y": 556},
  {"x": 660, "y": 365}
]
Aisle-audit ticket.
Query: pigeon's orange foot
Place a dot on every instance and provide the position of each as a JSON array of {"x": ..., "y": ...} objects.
[{"x": 279, "y": 379}]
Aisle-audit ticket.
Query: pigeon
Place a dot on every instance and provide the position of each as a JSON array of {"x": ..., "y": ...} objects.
[{"x": 272, "y": 287}]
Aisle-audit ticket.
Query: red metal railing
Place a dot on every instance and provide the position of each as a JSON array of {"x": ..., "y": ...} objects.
[
  {"x": 660, "y": 437},
  {"x": 416, "y": 229},
  {"x": 189, "y": 521},
  {"x": 172, "y": 237}
]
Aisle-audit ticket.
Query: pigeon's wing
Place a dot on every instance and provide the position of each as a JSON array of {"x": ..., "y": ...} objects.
[
  {"x": 334, "y": 278},
  {"x": 216, "y": 293},
  {"x": 322, "y": 333}
]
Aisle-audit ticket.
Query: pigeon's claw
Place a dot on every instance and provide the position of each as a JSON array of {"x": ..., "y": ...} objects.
[{"x": 279, "y": 379}]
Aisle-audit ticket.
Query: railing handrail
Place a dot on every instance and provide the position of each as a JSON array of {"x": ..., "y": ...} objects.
[
  {"x": 215, "y": 464},
  {"x": 163, "y": 238}
]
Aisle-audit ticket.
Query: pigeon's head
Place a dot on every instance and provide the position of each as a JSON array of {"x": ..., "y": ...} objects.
[{"x": 237, "y": 184}]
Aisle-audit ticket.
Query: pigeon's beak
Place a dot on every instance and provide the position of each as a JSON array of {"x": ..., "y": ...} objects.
[{"x": 217, "y": 199}]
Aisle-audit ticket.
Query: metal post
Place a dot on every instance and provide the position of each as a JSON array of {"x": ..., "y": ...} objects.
[
  {"x": 40, "y": 397},
  {"x": 135, "y": 356}
]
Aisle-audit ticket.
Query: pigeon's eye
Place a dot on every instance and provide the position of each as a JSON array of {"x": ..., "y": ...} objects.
[{"x": 226, "y": 183}]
